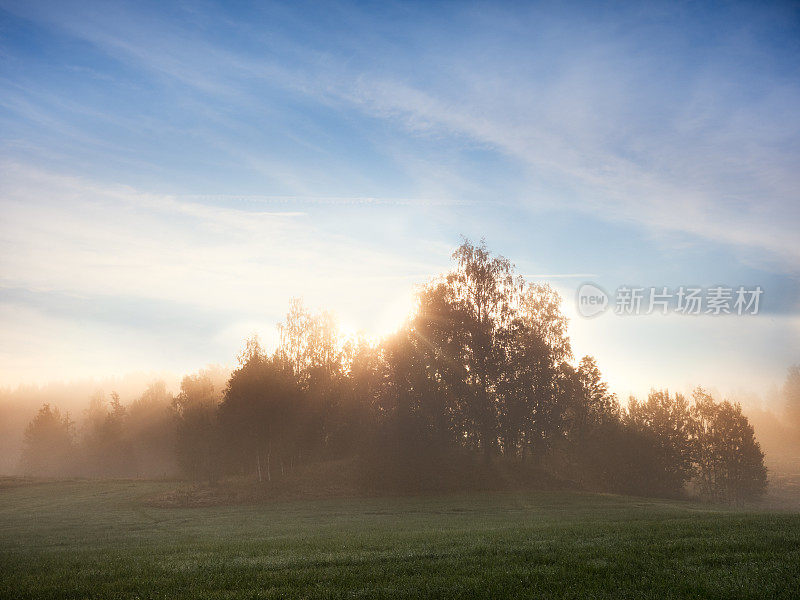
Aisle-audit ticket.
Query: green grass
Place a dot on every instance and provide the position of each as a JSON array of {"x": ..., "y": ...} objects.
[{"x": 99, "y": 540}]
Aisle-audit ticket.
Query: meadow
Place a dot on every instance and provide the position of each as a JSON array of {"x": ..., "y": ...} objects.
[{"x": 82, "y": 539}]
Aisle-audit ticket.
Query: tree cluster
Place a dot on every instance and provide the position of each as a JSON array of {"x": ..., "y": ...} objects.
[
  {"x": 114, "y": 440},
  {"x": 480, "y": 379}
]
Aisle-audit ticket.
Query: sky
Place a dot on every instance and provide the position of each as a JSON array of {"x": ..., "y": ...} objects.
[{"x": 172, "y": 174}]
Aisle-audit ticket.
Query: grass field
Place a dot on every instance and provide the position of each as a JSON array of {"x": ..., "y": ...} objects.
[{"x": 100, "y": 540}]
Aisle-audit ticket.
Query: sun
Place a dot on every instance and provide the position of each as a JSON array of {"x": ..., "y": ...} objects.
[
  {"x": 382, "y": 322},
  {"x": 394, "y": 314}
]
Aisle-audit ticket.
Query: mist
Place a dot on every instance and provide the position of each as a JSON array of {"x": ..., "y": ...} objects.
[
  {"x": 399, "y": 300},
  {"x": 73, "y": 400},
  {"x": 487, "y": 383}
]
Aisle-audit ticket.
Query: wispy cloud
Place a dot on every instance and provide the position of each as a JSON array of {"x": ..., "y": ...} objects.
[
  {"x": 218, "y": 163},
  {"x": 705, "y": 156}
]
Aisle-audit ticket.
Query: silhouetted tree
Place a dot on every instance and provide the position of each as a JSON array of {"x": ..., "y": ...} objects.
[
  {"x": 312, "y": 347},
  {"x": 482, "y": 290},
  {"x": 666, "y": 420},
  {"x": 151, "y": 431},
  {"x": 48, "y": 449},
  {"x": 106, "y": 444},
  {"x": 482, "y": 368},
  {"x": 360, "y": 392},
  {"x": 730, "y": 464},
  {"x": 597, "y": 442},
  {"x": 259, "y": 412},
  {"x": 197, "y": 444},
  {"x": 528, "y": 390},
  {"x": 596, "y": 404}
]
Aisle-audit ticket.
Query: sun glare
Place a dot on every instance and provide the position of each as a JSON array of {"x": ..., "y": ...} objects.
[
  {"x": 380, "y": 323},
  {"x": 392, "y": 316}
]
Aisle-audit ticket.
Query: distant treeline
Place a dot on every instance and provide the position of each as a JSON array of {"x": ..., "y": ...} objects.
[{"x": 481, "y": 378}]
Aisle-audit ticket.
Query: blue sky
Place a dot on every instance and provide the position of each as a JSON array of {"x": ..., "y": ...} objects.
[{"x": 173, "y": 174}]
